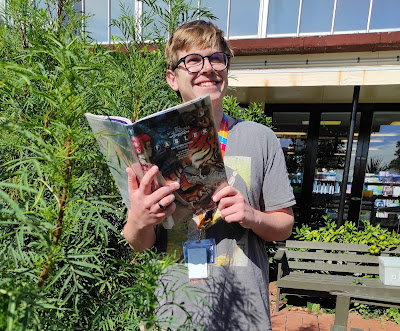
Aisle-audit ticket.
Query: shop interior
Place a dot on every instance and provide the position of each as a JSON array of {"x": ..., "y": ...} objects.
[{"x": 314, "y": 139}]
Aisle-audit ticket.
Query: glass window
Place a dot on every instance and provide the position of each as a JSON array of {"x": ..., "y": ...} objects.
[
  {"x": 97, "y": 23},
  {"x": 291, "y": 129},
  {"x": 244, "y": 17},
  {"x": 220, "y": 10},
  {"x": 116, "y": 12},
  {"x": 351, "y": 15},
  {"x": 2, "y": 6},
  {"x": 381, "y": 195},
  {"x": 193, "y": 4},
  {"x": 316, "y": 16},
  {"x": 78, "y": 6},
  {"x": 385, "y": 14},
  {"x": 331, "y": 157},
  {"x": 282, "y": 17},
  {"x": 43, "y": 4},
  {"x": 384, "y": 139},
  {"x": 49, "y": 7},
  {"x": 155, "y": 29},
  {"x": 39, "y": 3}
]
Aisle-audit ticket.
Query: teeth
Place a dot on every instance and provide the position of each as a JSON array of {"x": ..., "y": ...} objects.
[{"x": 207, "y": 84}]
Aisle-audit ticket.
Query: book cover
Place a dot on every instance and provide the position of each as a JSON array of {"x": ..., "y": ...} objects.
[
  {"x": 396, "y": 191},
  {"x": 378, "y": 189},
  {"x": 182, "y": 141},
  {"x": 387, "y": 191}
]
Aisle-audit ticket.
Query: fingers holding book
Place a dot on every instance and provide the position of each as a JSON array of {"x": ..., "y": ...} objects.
[
  {"x": 149, "y": 206},
  {"x": 151, "y": 202},
  {"x": 164, "y": 205}
]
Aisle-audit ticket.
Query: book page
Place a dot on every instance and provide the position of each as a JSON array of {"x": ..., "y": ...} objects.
[{"x": 115, "y": 144}]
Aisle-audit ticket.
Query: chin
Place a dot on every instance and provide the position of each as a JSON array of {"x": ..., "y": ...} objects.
[{"x": 216, "y": 98}]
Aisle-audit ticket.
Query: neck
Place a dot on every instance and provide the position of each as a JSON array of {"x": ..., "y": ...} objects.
[{"x": 218, "y": 112}]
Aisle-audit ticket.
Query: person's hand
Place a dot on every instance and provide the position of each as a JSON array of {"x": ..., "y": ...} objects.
[
  {"x": 149, "y": 207},
  {"x": 234, "y": 207},
  {"x": 268, "y": 225}
]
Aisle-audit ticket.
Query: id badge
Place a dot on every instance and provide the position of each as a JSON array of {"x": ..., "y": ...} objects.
[{"x": 198, "y": 255}]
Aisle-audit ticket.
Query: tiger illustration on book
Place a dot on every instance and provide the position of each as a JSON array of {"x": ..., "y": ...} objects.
[
  {"x": 202, "y": 158},
  {"x": 187, "y": 153}
]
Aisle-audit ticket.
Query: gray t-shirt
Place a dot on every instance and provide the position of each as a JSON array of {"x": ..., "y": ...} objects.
[{"x": 237, "y": 288}]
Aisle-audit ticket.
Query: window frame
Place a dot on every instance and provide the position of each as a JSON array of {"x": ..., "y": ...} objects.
[{"x": 262, "y": 22}]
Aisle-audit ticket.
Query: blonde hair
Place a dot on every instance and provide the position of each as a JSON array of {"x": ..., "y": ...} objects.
[{"x": 199, "y": 34}]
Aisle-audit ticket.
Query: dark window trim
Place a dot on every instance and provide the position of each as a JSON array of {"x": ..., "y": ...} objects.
[{"x": 360, "y": 164}]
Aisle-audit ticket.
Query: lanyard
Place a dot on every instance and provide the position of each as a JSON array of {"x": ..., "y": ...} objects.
[{"x": 223, "y": 133}]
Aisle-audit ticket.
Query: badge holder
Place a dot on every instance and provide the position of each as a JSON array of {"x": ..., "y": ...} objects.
[{"x": 199, "y": 255}]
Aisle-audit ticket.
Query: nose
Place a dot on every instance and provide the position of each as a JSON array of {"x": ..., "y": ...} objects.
[{"x": 207, "y": 65}]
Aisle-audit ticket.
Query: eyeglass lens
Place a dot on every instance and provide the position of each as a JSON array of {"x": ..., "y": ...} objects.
[{"x": 195, "y": 62}]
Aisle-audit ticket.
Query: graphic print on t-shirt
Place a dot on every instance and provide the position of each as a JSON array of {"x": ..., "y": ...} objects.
[{"x": 235, "y": 253}]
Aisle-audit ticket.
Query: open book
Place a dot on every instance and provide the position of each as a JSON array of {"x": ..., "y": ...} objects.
[{"x": 182, "y": 141}]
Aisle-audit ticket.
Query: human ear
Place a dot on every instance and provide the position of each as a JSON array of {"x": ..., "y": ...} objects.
[{"x": 171, "y": 79}]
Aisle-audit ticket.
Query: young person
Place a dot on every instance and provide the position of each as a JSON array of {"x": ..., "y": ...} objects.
[{"x": 255, "y": 207}]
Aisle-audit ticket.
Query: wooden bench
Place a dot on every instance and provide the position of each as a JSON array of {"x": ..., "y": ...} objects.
[{"x": 334, "y": 269}]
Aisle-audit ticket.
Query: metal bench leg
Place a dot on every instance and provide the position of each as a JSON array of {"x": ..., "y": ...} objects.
[
  {"x": 278, "y": 298},
  {"x": 278, "y": 290},
  {"x": 341, "y": 314}
]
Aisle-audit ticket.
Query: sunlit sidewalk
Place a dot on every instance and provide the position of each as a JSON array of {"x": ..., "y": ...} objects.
[{"x": 298, "y": 318}]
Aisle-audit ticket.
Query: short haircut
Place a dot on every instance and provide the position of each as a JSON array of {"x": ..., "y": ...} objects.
[{"x": 199, "y": 34}]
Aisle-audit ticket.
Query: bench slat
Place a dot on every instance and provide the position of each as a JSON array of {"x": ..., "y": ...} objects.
[
  {"x": 336, "y": 246},
  {"x": 333, "y": 257},
  {"x": 330, "y": 283},
  {"x": 327, "y": 246},
  {"x": 367, "y": 299},
  {"x": 352, "y": 269},
  {"x": 388, "y": 252}
]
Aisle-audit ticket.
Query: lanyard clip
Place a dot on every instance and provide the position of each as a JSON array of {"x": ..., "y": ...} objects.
[{"x": 200, "y": 234}]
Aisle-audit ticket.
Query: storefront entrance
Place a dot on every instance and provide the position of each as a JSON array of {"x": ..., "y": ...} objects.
[{"x": 314, "y": 139}]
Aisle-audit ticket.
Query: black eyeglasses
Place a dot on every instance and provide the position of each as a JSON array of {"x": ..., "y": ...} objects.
[{"x": 195, "y": 62}]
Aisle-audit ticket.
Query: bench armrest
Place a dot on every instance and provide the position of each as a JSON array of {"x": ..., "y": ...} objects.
[
  {"x": 280, "y": 258},
  {"x": 279, "y": 255}
]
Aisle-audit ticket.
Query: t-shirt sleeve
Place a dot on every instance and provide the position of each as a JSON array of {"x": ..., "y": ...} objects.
[{"x": 277, "y": 192}]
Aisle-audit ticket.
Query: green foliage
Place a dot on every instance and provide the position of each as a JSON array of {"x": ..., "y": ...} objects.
[
  {"x": 64, "y": 263},
  {"x": 314, "y": 308},
  {"x": 367, "y": 311},
  {"x": 393, "y": 314},
  {"x": 376, "y": 237},
  {"x": 180, "y": 11},
  {"x": 253, "y": 113}
]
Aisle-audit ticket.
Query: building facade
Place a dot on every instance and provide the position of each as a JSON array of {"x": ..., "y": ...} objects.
[{"x": 330, "y": 81}]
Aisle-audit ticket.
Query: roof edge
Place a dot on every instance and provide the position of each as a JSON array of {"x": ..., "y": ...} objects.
[{"x": 357, "y": 42}]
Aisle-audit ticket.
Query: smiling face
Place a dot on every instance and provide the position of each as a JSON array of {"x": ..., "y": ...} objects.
[{"x": 206, "y": 81}]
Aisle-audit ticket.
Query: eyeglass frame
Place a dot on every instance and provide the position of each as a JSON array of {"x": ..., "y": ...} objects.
[{"x": 183, "y": 59}]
